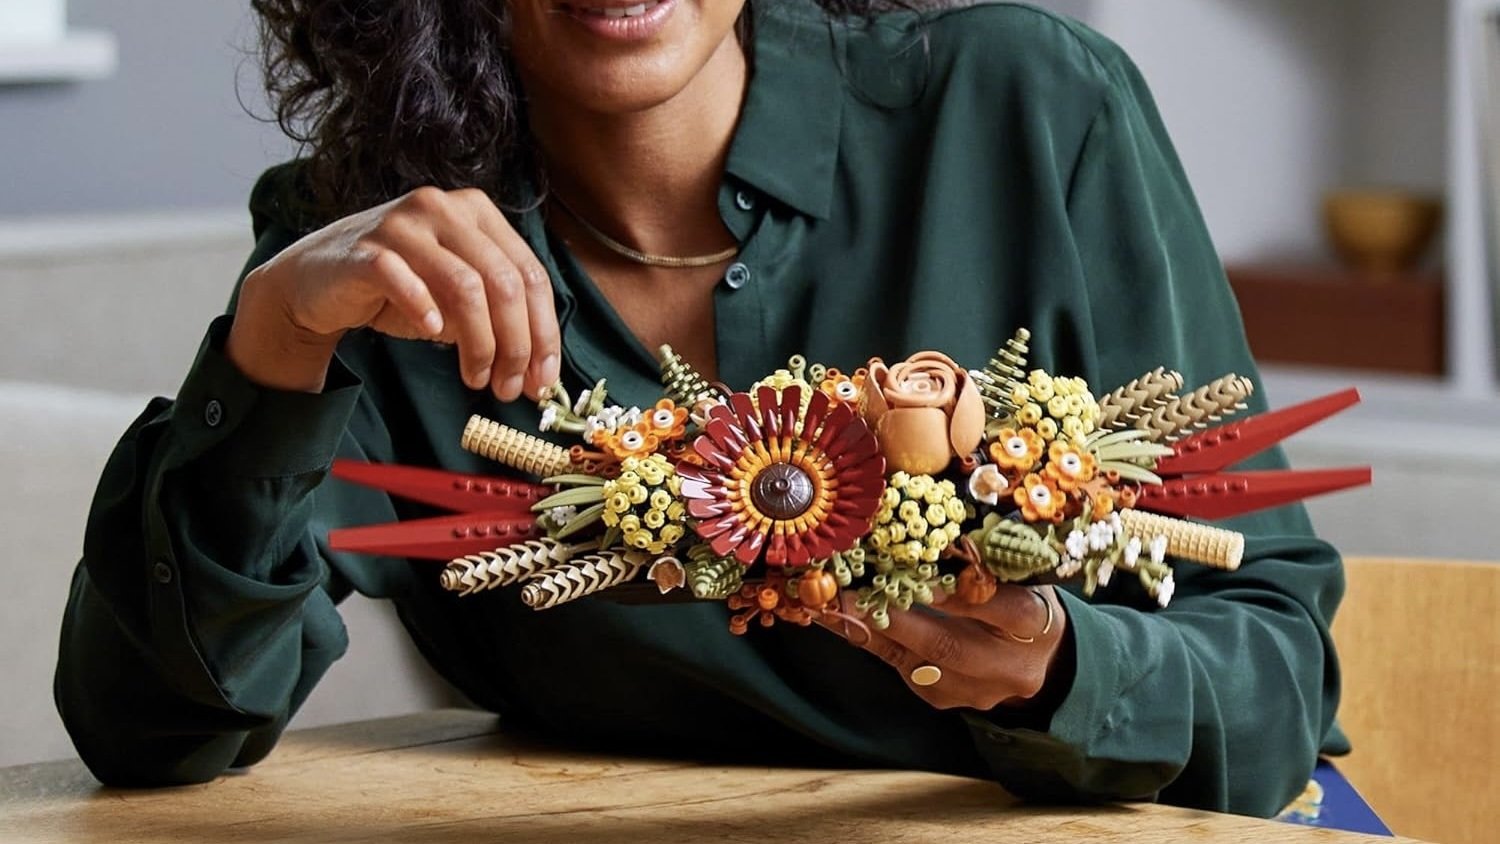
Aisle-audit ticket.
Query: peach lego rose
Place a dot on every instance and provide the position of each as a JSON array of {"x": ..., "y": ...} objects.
[{"x": 925, "y": 411}]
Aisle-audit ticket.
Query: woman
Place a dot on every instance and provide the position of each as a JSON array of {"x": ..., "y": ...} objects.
[{"x": 742, "y": 183}]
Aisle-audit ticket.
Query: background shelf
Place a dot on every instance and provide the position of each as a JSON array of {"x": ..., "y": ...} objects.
[
  {"x": 1323, "y": 315},
  {"x": 1275, "y": 102},
  {"x": 78, "y": 56}
]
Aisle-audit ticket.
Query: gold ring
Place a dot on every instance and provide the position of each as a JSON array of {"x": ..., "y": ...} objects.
[
  {"x": 926, "y": 675},
  {"x": 1046, "y": 628}
]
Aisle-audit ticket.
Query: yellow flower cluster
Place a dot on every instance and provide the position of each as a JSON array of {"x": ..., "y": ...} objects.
[
  {"x": 1056, "y": 406},
  {"x": 779, "y": 381},
  {"x": 918, "y": 518},
  {"x": 645, "y": 505}
]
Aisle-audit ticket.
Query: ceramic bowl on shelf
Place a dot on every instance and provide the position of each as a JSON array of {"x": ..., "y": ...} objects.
[{"x": 1381, "y": 232}]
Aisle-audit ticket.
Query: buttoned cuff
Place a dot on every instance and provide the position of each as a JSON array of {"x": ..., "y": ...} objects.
[
  {"x": 247, "y": 430},
  {"x": 1034, "y": 756}
]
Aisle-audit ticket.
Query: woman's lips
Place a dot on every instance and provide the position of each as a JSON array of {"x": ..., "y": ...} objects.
[{"x": 621, "y": 22}]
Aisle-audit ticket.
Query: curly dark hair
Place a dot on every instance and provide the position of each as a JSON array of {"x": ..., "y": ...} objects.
[{"x": 389, "y": 96}]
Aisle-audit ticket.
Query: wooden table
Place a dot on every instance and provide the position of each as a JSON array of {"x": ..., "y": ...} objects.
[{"x": 449, "y": 777}]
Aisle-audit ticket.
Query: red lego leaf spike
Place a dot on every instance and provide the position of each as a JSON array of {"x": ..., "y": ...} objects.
[
  {"x": 1223, "y": 446},
  {"x": 1221, "y": 496},
  {"x": 441, "y": 538},
  {"x": 449, "y": 490}
]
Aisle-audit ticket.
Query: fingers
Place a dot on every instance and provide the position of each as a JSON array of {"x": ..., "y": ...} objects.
[
  {"x": 981, "y": 667},
  {"x": 952, "y": 691},
  {"x": 541, "y": 311},
  {"x": 459, "y": 290},
  {"x": 1029, "y": 624},
  {"x": 492, "y": 297},
  {"x": 524, "y": 318},
  {"x": 504, "y": 304},
  {"x": 406, "y": 290},
  {"x": 1021, "y": 612},
  {"x": 949, "y": 642}
]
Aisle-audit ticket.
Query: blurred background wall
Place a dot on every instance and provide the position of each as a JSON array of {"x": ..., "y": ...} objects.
[
  {"x": 122, "y": 229},
  {"x": 165, "y": 130}
]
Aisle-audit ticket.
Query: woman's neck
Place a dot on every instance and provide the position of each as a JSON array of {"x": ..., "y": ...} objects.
[{"x": 649, "y": 178}]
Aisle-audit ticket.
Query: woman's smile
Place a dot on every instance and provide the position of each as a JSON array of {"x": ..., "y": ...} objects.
[
  {"x": 624, "y": 56},
  {"x": 621, "y": 22}
]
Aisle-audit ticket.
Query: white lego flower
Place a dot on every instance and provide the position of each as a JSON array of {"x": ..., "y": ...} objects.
[
  {"x": 562, "y": 515},
  {"x": 1164, "y": 591},
  {"x": 1106, "y": 571},
  {"x": 1132, "y": 552},
  {"x": 986, "y": 484},
  {"x": 1158, "y": 549},
  {"x": 583, "y": 401},
  {"x": 1077, "y": 544},
  {"x": 549, "y": 418},
  {"x": 607, "y": 420},
  {"x": 1101, "y": 536}
]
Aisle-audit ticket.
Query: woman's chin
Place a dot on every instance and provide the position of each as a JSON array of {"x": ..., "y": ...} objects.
[{"x": 624, "y": 84}]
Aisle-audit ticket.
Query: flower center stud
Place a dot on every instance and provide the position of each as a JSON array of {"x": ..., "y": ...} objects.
[{"x": 782, "y": 491}]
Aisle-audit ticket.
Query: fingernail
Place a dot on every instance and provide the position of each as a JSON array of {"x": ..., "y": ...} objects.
[
  {"x": 512, "y": 387},
  {"x": 549, "y": 371},
  {"x": 481, "y": 379},
  {"x": 432, "y": 322}
]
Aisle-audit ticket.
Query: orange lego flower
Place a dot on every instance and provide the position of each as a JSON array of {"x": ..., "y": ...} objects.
[
  {"x": 1069, "y": 465},
  {"x": 1039, "y": 500},
  {"x": 636, "y": 440},
  {"x": 843, "y": 388},
  {"x": 667, "y": 421},
  {"x": 1017, "y": 450},
  {"x": 1103, "y": 504}
]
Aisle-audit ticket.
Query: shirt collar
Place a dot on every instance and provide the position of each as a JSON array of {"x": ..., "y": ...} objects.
[{"x": 787, "y": 141}]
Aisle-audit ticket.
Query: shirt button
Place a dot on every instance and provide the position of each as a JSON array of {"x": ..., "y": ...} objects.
[
  {"x": 213, "y": 413},
  {"x": 744, "y": 201},
  {"x": 161, "y": 572},
  {"x": 737, "y": 276}
]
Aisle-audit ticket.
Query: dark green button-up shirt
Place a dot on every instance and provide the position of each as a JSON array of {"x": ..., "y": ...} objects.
[{"x": 897, "y": 187}]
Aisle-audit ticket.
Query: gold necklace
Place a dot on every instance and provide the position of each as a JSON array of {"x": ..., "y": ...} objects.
[{"x": 668, "y": 261}]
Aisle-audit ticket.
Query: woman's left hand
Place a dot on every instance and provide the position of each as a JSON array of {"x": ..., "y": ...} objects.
[{"x": 1003, "y": 652}]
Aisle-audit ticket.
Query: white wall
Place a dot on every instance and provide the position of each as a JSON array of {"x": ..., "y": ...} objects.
[
  {"x": 1271, "y": 102},
  {"x": 1397, "y": 116},
  {"x": 165, "y": 131},
  {"x": 1250, "y": 92}
]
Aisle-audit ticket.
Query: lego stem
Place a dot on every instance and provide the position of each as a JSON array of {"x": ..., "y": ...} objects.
[
  {"x": 516, "y": 449},
  {"x": 1202, "y": 544}
]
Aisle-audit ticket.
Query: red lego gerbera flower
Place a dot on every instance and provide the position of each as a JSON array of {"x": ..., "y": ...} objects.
[{"x": 798, "y": 485}]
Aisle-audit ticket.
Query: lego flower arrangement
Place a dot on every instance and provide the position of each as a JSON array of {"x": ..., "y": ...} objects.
[{"x": 898, "y": 482}]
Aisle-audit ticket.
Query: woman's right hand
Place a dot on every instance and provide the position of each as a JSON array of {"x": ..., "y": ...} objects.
[{"x": 433, "y": 264}]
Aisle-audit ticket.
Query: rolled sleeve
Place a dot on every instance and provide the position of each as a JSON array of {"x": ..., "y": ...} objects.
[
  {"x": 1056, "y": 757},
  {"x": 252, "y": 431}
]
